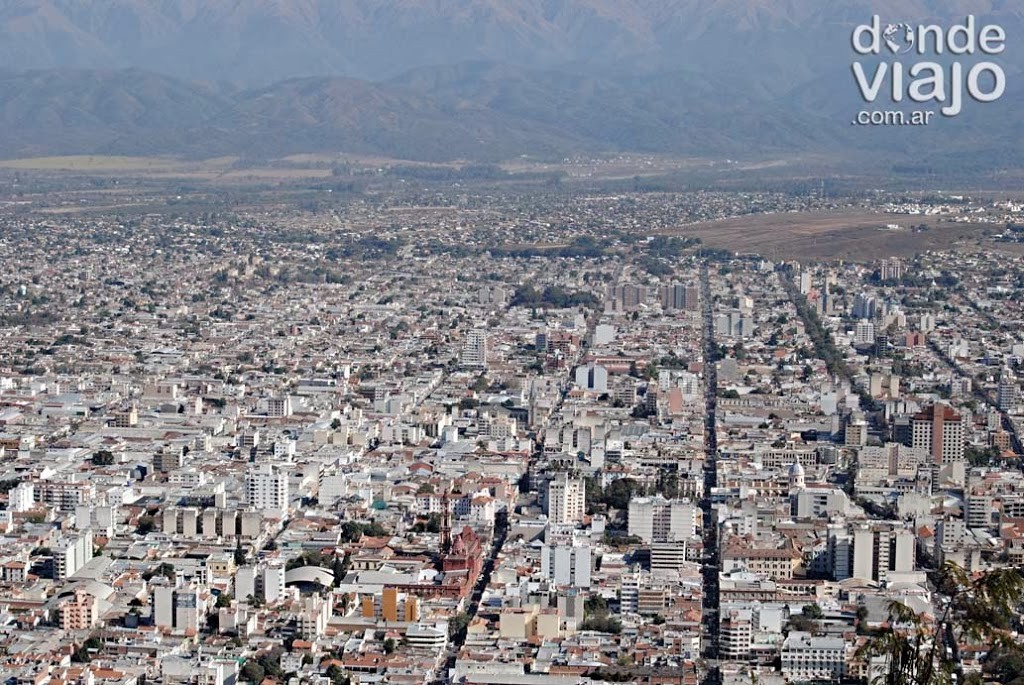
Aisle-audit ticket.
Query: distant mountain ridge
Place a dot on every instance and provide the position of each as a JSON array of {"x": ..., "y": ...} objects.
[
  {"x": 469, "y": 79},
  {"x": 477, "y": 111},
  {"x": 257, "y": 42}
]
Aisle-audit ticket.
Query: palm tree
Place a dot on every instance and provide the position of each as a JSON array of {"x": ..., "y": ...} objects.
[{"x": 916, "y": 650}]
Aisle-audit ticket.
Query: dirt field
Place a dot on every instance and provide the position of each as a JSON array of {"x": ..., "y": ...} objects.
[
  {"x": 90, "y": 163},
  {"x": 850, "y": 236}
]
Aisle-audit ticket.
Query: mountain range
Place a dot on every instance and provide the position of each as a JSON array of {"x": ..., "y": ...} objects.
[{"x": 474, "y": 79}]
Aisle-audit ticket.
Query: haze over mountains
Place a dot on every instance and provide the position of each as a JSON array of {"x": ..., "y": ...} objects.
[{"x": 477, "y": 79}]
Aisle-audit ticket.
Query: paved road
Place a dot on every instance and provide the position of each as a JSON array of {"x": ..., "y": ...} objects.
[
  {"x": 455, "y": 644},
  {"x": 710, "y": 567}
]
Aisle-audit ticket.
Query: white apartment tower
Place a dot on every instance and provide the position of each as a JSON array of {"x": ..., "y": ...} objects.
[
  {"x": 566, "y": 499},
  {"x": 881, "y": 550},
  {"x": 656, "y": 519},
  {"x": 266, "y": 489},
  {"x": 22, "y": 497},
  {"x": 71, "y": 553},
  {"x": 474, "y": 351},
  {"x": 567, "y": 565},
  {"x": 864, "y": 333}
]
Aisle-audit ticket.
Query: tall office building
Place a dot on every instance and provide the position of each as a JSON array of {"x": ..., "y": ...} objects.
[
  {"x": 939, "y": 430},
  {"x": 805, "y": 282},
  {"x": 864, "y": 333},
  {"x": 279, "y": 406},
  {"x": 656, "y": 519},
  {"x": 474, "y": 351},
  {"x": 71, "y": 553},
  {"x": 864, "y": 307},
  {"x": 879, "y": 550},
  {"x": 856, "y": 432},
  {"x": 675, "y": 296},
  {"x": 179, "y": 609},
  {"x": 22, "y": 497},
  {"x": 1007, "y": 394},
  {"x": 566, "y": 499},
  {"x": 567, "y": 564},
  {"x": 892, "y": 269},
  {"x": 266, "y": 489},
  {"x": 625, "y": 297},
  {"x": 593, "y": 377}
]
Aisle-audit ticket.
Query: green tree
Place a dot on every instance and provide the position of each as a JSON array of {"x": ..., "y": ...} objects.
[
  {"x": 337, "y": 675},
  {"x": 813, "y": 611},
  {"x": 977, "y": 610},
  {"x": 458, "y": 623},
  {"x": 604, "y": 624},
  {"x": 83, "y": 654},
  {"x": 338, "y": 569},
  {"x": 862, "y": 617},
  {"x": 252, "y": 672},
  {"x": 164, "y": 569},
  {"x": 146, "y": 525},
  {"x": 618, "y": 494},
  {"x": 596, "y": 606},
  {"x": 434, "y": 523},
  {"x": 103, "y": 458}
]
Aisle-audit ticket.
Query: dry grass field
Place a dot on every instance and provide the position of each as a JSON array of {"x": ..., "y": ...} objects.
[
  {"x": 849, "y": 236},
  {"x": 98, "y": 163}
]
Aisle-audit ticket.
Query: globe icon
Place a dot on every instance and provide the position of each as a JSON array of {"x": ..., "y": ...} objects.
[{"x": 899, "y": 38}]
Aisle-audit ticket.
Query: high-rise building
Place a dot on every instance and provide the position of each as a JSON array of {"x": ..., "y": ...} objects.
[
  {"x": 127, "y": 418},
  {"x": 864, "y": 307},
  {"x": 892, "y": 269},
  {"x": 567, "y": 564},
  {"x": 266, "y": 489},
  {"x": 668, "y": 556},
  {"x": 22, "y": 497},
  {"x": 593, "y": 377},
  {"x": 856, "y": 432},
  {"x": 279, "y": 406},
  {"x": 939, "y": 430},
  {"x": 840, "y": 552},
  {"x": 1007, "y": 394},
  {"x": 864, "y": 333},
  {"x": 675, "y": 296},
  {"x": 169, "y": 459},
  {"x": 881, "y": 549},
  {"x": 71, "y": 553},
  {"x": 566, "y": 499},
  {"x": 495, "y": 295},
  {"x": 625, "y": 297},
  {"x": 178, "y": 608},
  {"x": 474, "y": 351},
  {"x": 271, "y": 582},
  {"x": 313, "y": 615},
  {"x": 78, "y": 612},
  {"x": 806, "y": 283},
  {"x": 736, "y": 631},
  {"x": 656, "y": 519}
]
